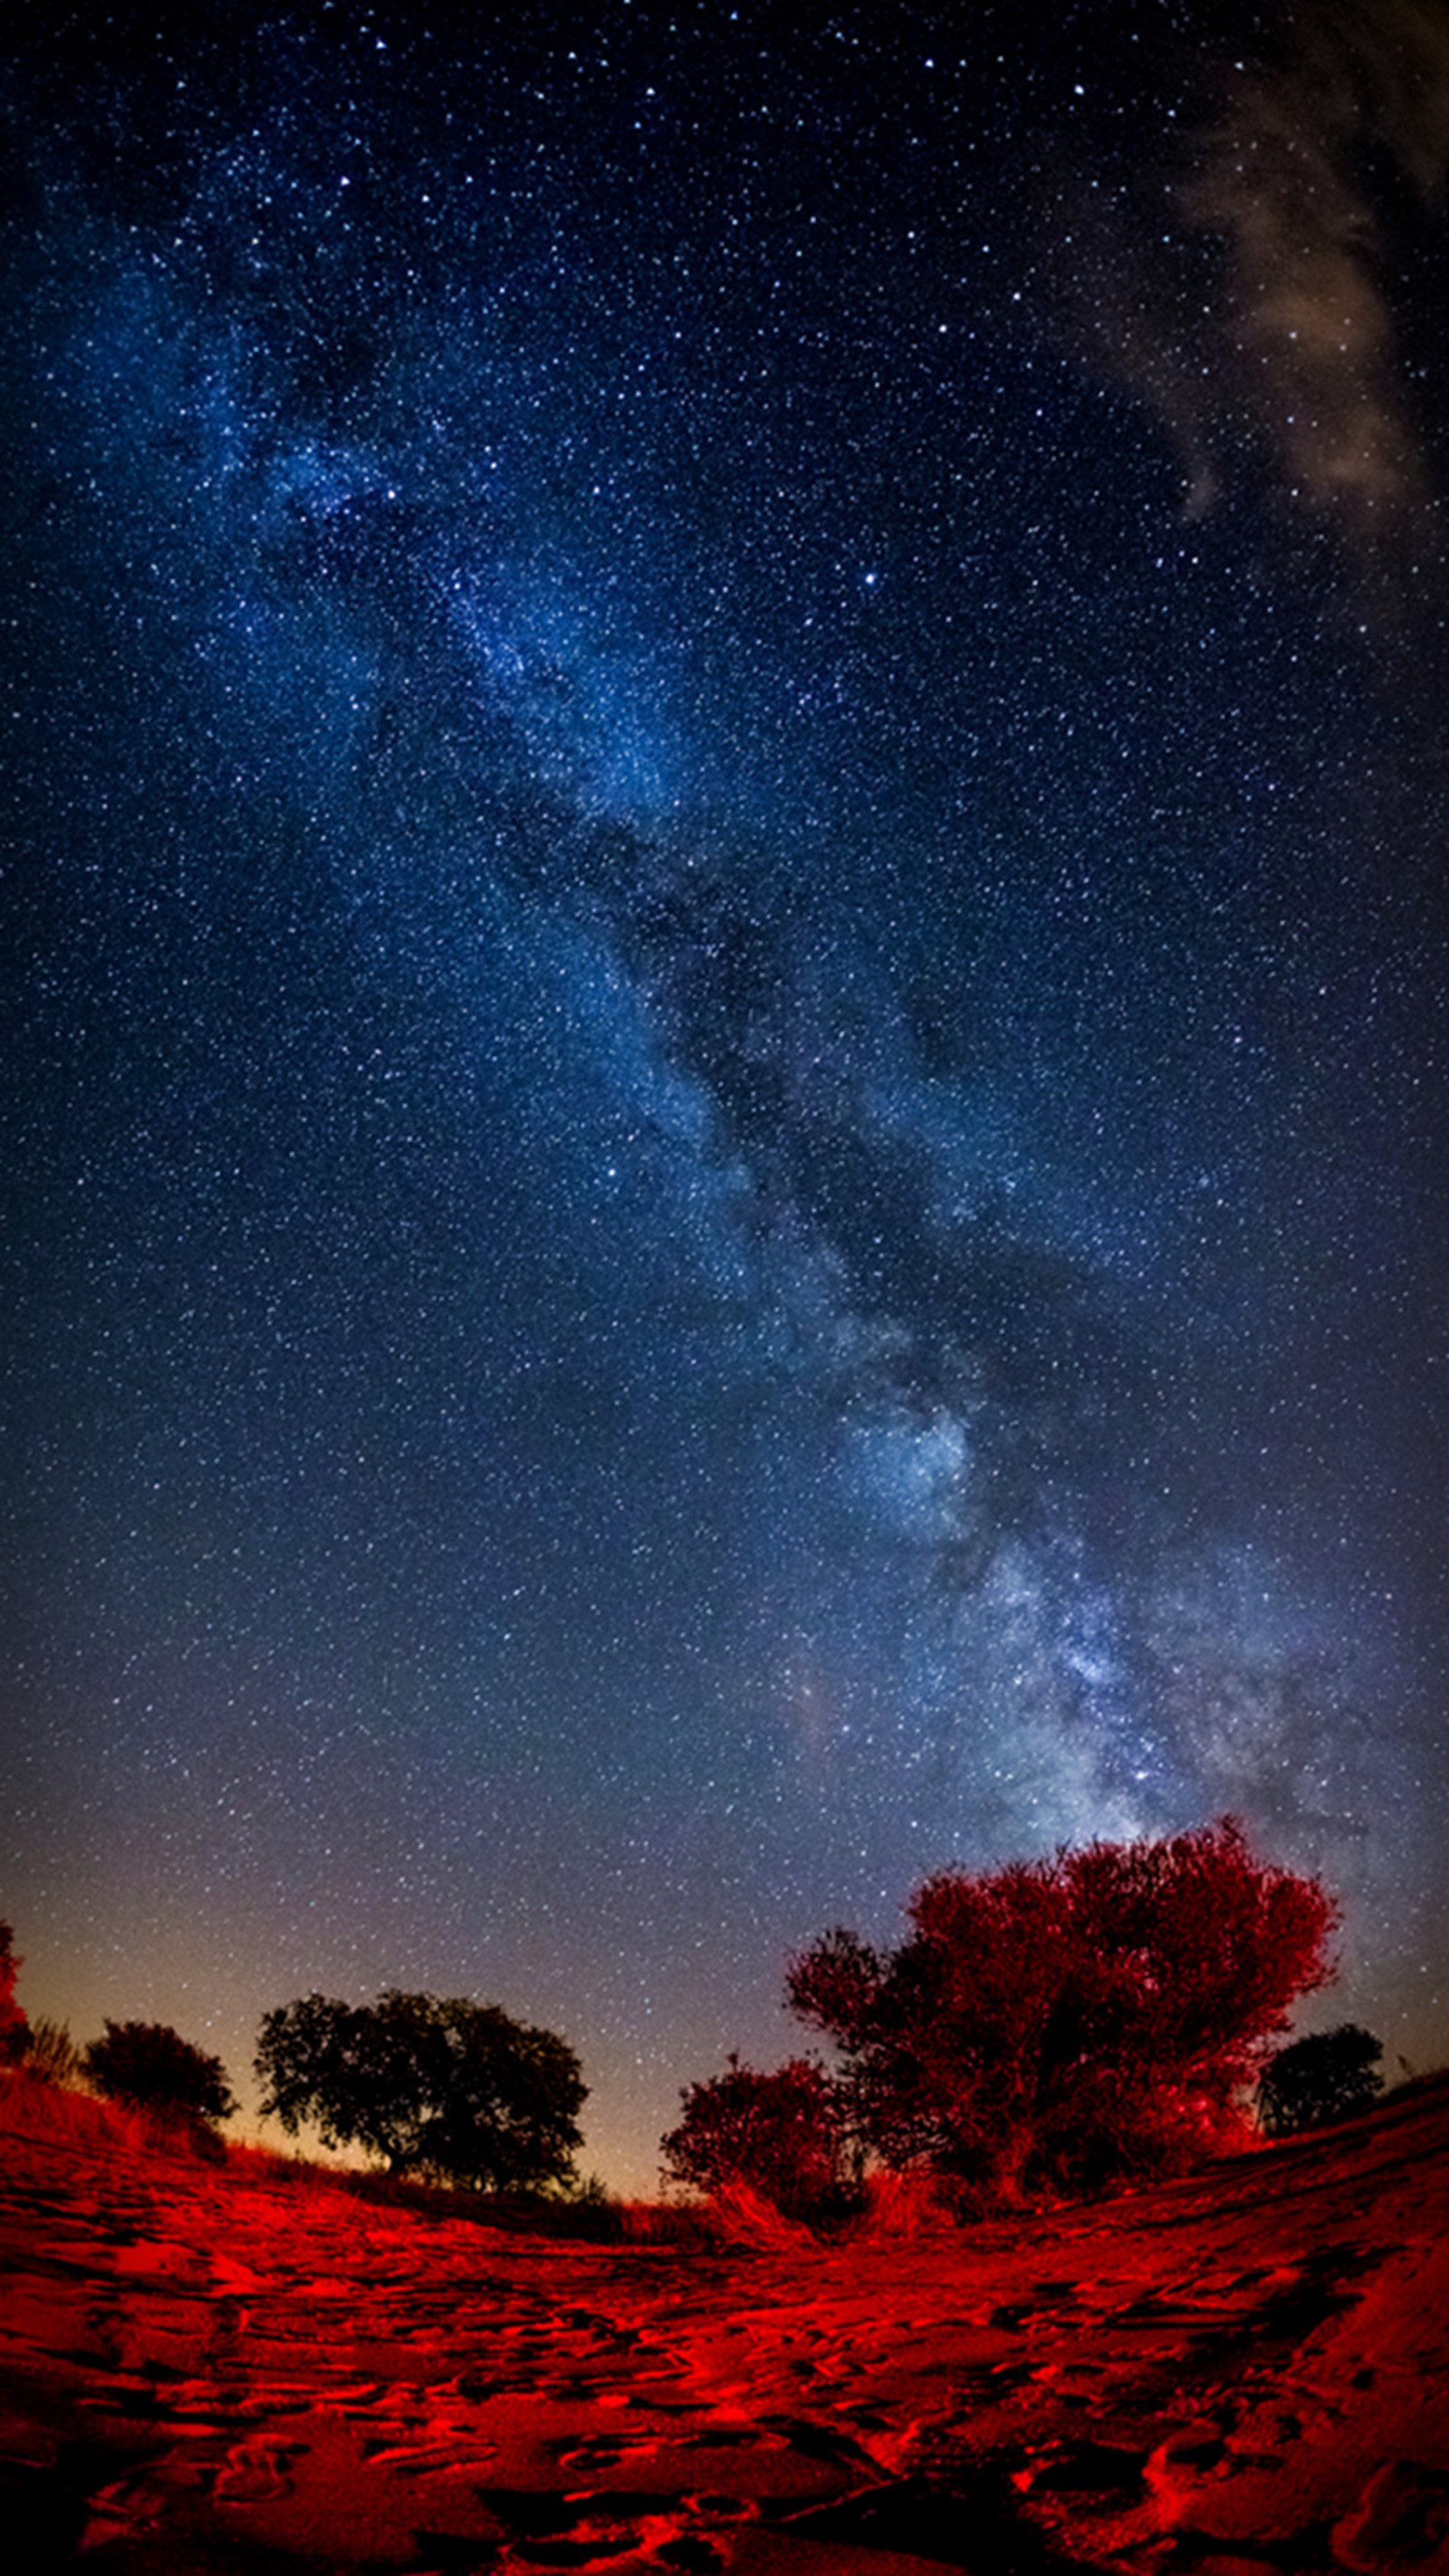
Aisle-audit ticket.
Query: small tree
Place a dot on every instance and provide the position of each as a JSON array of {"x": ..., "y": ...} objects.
[
  {"x": 780, "y": 2133},
  {"x": 1332, "y": 2075},
  {"x": 12, "y": 2019},
  {"x": 1059, "y": 2024},
  {"x": 149, "y": 2067},
  {"x": 443, "y": 2087}
]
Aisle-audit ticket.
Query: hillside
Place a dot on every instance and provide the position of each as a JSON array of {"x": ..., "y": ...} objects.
[{"x": 207, "y": 2368}]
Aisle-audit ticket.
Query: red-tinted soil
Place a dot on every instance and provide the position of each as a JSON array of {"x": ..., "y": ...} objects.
[{"x": 205, "y": 2370}]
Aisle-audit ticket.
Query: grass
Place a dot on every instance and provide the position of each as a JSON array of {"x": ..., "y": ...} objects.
[
  {"x": 67, "y": 2118},
  {"x": 61, "y": 2115}
]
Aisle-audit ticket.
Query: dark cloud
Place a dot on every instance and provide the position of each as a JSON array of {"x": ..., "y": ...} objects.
[{"x": 1259, "y": 278}]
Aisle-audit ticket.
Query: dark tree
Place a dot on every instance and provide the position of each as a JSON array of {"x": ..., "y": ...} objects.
[
  {"x": 1065, "y": 2023},
  {"x": 1331, "y": 2076},
  {"x": 781, "y": 2133},
  {"x": 13, "y": 2025},
  {"x": 150, "y": 2067},
  {"x": 437, "y": 2087}
]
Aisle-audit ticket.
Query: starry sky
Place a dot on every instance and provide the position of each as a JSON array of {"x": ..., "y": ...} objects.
[{"x": 724, "y": 946}]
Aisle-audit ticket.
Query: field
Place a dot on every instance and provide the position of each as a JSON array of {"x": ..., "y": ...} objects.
[{"x": 229, "y": 2368}]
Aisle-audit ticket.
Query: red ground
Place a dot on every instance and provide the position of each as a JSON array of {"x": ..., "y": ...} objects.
[{"x": 207, "y": 2372}]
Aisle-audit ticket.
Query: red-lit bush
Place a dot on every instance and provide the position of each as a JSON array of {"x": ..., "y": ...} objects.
[
  {"x": 1062, "y": 2024},
  {"x": 12, "y": 2019},
  {"x": 779, "y": 2134}
]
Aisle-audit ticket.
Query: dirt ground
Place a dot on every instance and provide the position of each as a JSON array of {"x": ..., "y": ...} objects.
[{"x": 205, "y": 2368}]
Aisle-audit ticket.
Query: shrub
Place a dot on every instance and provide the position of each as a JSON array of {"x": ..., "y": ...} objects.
[
  {"x": 739, "y": 2213},
  {"x": 1063, "y": 2024},
  {"x": 777, "y": 2137},
  {"x": 898, "y": 2206},
  {"x": 149, "y": 2067},
  {"x": 1330, "y": 2076}
]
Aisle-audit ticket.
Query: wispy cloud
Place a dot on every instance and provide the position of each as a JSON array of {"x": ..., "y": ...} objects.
[{"x": 1267, "y": 314}]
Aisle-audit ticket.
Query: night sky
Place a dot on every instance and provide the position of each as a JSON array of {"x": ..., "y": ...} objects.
[{"x": 724, "y": 1025}]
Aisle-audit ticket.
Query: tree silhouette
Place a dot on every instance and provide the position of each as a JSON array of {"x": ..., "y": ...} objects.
[
  {"x": 149, "y": 2067},
  {"x": 1332, "y": 2075},
  {"x": 1064, "y": 2023},
  {"x": 430, "y": 2086},
  {"x": 780, "y": 2132},
  {"x": 13, "y": 2025}
]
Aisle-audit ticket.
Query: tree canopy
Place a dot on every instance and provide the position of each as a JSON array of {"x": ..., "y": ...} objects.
[
  {"x": 1061, "y": 2023},
  {"x": 1331, "y": 2075},
  {"x": 150, "y": 2067},
  {"x": 432, "y": 2086}
]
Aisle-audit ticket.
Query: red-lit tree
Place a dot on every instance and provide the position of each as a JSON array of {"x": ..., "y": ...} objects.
[
  {"x": 1062, "y": 2024},
  {"x": 13, "y": 2025},
  {"x": 781, "y": 2133}
]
